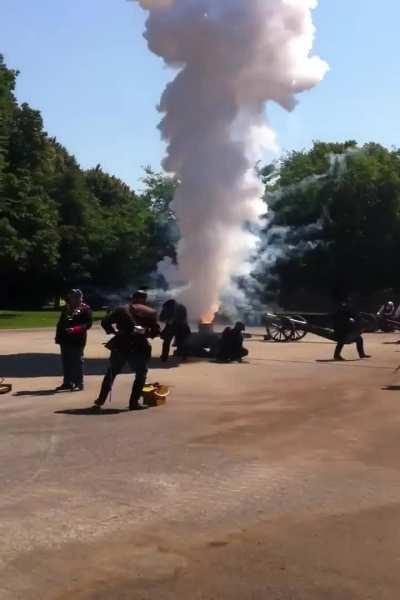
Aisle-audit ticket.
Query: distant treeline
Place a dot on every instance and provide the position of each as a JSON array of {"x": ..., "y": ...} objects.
[
  {"x": 61, "y": 226},
  {"x": 333, "y": 225}
]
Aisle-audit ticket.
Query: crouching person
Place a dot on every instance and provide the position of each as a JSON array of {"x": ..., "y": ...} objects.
[
  {"x": 231, "y": 346},
  {"x": 71, "y": 335},
  {"x": 131, "y": 326}
]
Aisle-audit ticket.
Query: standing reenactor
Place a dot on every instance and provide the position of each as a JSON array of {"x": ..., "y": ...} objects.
[
  {"x": 174, "y": 315},
  {"x": 131, "y": 326},
  {"x": 347, "y": 328},
  {"x": 386, "y": 314},
  {"x": 71, "y": 334}
]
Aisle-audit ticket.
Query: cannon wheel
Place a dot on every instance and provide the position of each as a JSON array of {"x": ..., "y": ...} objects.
[
  {"x": 280, "y": 332},
  {"x": 298, "y": 333}
]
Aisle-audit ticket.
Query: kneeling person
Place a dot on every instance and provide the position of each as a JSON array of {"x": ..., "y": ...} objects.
[
  {"x": 231, "y": 346},
  {"x": 134, "y": 324}
]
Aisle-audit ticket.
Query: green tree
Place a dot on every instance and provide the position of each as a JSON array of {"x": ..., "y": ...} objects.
[
  {"x": 64, "y": 226},
  {"x": 7, "y": 107},
  {"x": 158, "y": 194},
  {"x": 342, "y": 224},
  {"x": 122, "y": 241},
  {"x": 29, "y": 241}
]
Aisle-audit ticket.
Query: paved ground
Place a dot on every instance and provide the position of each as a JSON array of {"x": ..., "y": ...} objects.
[{"x": 273, "y": 480}]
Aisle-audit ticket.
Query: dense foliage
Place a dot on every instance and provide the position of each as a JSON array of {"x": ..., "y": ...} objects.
[
  {"x": 335, "y": 215},
  {"x": 333, "y": 224},
  {"x": 62, "y": 226}
]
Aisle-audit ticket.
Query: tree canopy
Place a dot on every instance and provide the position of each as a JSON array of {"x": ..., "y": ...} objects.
[
  {"x": 61, "y": 226},
  {"x": 337, "y": 210},
  {"x": 332, "y": 228}
]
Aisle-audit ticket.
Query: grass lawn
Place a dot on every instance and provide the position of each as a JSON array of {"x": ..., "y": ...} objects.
[{"x": 21, "y": 319}]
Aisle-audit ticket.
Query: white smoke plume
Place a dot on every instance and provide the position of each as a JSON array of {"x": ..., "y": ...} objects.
[{"x": 231, "y": 57}]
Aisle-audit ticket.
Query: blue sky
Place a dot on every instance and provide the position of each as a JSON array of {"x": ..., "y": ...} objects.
[{"x": 85, "y": 65}]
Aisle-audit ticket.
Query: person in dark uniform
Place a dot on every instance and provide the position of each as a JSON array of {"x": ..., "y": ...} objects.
[
  {"x": 231, "y": 344},
  {"x": 174, "y": 315},
  {"x": 386, "y": 314},
  {"x": 71, "y": 335},
  {"x": 347, "y": 329},
  {"x": 387, "y": 310},
  {"x": 131, "y": 326}
]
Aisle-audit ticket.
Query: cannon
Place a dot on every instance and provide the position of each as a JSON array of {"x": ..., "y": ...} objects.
[
  {"x": 280, "y": 328},
  {"x": 293, "y": 328},
  {"x": 203, "y": 343}
]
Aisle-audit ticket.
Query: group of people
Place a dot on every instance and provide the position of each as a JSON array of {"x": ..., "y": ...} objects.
[{"x": 131, "y": 327}]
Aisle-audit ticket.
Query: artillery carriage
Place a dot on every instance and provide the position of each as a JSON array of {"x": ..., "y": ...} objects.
[{"x": 283, "y": 328}]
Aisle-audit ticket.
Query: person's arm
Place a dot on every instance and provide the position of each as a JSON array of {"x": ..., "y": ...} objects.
[
  {"x": 108, "y": 323},
  {"x": 153, "y": 330},
  {"x": 59, "y": 328},
  {"x": 86, "y": 323}
]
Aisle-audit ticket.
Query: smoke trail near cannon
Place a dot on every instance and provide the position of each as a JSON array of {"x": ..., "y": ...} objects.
[{"x": 231, "y": 57}]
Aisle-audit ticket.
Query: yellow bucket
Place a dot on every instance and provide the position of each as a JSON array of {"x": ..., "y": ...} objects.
[
  {"x": 4, "y": 387},
  {"x": 155, "y": 394}
]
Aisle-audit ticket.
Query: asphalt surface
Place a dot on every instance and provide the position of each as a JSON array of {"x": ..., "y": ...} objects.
[{"x": 276, "y": 479}]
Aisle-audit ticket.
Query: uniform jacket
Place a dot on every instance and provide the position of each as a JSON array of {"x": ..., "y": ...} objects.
[
  {"x": 122, "y": 322},
  {"x": 79, "y": 320},
  {"x": 345, "y": 321}
]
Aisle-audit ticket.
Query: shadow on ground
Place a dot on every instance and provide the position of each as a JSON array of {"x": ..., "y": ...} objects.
[
  {"x": 36, "y": 392},
  {"x": 391, "y": 388},
  {"x": 49, "y": 365},
  {"x": 90, "y": 412},
  {"x": 333, "y": 360}
]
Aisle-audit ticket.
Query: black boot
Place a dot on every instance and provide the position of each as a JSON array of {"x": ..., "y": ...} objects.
[{"x": 137, "y": 406}]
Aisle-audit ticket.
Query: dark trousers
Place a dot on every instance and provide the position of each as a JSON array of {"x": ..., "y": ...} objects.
[
  {"x": 137, "y": 361},
  {"x": 178, "y": 331},
  {"x": 72, "y": 364},
  {"x": 168, "y": 335},
  {"x": 359, "y": 343}
]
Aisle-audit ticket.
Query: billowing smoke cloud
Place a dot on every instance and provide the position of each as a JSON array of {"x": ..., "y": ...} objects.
[{"x": 232, "y": 57}]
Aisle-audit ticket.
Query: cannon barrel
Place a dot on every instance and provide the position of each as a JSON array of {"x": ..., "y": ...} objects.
[{"x": 324, "y": 332}]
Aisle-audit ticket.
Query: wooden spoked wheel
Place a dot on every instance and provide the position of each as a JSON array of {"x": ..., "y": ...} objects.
[
  {"x": 280, "y": 332},
  {"x": 298, "y": 333}
]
